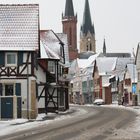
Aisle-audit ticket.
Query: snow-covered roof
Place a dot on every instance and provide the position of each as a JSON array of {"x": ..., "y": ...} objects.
[
  {"x": 51, "y": 43},
  {"x": 84, "y": 63},
  {"x": 106, "y": 85},
  {"x": 121, "y": 65},
  {"x": 112, "y": 76},
  {"x": 106, "y": 64},
  {"x": 19, "y": 27},
  {"x": 132, "y": 71},
  {"x": 46, "y": 52}
]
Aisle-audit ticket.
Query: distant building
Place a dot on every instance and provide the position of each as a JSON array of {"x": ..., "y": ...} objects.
[
  {"x": 69, "y": 21},
  {"x": 87, "y": 32},
  {"x": 105, "y": 54},
  {"x": 85, "y": 55},
  {"x": 137, "y": 61}
]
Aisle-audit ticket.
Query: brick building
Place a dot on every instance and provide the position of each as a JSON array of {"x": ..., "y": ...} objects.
[{"x": 69, "y": 21}]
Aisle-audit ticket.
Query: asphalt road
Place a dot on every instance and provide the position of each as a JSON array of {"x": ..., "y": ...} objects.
[{"x": 101, "y": 125}]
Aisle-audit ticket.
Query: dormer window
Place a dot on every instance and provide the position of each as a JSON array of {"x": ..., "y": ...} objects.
[{"x": 11, "y": 59}]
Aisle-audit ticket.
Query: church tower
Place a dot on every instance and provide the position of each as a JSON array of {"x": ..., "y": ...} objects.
[
  {"x": 69, "y": 21},
  {"x": 104, "y": 48},
  {"x": 87, "y": 32}
]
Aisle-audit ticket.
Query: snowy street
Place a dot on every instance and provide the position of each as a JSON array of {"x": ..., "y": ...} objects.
[{"x": 107, "y": 122}]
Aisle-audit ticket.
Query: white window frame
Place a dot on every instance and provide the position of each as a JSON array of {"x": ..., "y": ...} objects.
[
  {"x": 51, "y": 66},
  {"x": 10, "y": 64}
]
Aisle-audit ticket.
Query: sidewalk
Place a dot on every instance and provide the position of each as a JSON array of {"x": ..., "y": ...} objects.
[{"x": 10, "y": 126}]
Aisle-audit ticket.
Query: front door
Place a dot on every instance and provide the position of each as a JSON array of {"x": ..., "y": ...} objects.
[{"x": 7, "y": 107}]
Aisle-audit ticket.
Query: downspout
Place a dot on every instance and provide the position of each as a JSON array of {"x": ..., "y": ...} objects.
[
  {"x": 28, "y": 88},
  {"x": 100, "y": 87}
]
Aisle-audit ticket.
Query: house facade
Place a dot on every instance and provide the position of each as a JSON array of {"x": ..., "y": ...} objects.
[
  {"x": 18, "y": 48},
  {"x": 130, "y": 83},
  {"x": 52, "y": 83},
  {"x": 137, "y": 61},
  {"x": 102, "y": 71},
  {"x": 82, "y": 83}
]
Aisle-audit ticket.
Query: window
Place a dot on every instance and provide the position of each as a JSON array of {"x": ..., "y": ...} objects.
[
  {"x": 51, "y": 66},
  {"x": 127, "y": 82},
  {"x": 90, "y": 47},
  {"x": 70, "y": 37},
  {"x": 87, "y": 47},
  {"x": 84, "y": 86},
  {"x": 138, "y": 76},
  {"x": 11, "y": 59},
  {"x": 9, "y": 90}
]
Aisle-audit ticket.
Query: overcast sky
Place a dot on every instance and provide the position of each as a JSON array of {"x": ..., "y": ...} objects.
[{"x": 116, "y": 20}]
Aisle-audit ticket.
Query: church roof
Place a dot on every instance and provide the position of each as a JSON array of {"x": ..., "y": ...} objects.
[
  {"x": 87, "y": 23},
  {"x": 86, "y": 55},
  {"x": 69, "y": 11},
  {"x": 123, "y": 55}
]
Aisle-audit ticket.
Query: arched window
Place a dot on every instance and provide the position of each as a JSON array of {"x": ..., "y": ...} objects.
[
  {"x": 90, "y": 47},
  {"x": 87, "y": 47}
]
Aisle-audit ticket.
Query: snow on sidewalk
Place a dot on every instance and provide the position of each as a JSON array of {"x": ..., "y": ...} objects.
[{"x": 10, "y": 126}]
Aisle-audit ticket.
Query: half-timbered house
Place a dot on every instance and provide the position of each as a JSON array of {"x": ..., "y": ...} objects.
[
  {"x": 52, "y": 85},
  {"x": 19, "y": 40}
]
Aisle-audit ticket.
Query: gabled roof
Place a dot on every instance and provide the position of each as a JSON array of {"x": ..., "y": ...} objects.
[
  {"x": 47, "y": 53},
  {"x": 87, "y": 23},
  {"x": 19, "y": 27},
  {"x": 85, "y": 63},
  {"x": 106, "y": 65},
  {"x": 50, "y": 43},
  {"x": 121, "y": 64},
  {"x": 69, "y": 11}
]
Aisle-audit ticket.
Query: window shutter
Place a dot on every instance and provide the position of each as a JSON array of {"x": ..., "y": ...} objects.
[
  {"x": 1, "y": 88},
  {"x": 20, "y": 58},
  {"x": 18, "y": 89},
  {"x": 2, "y": 58}
]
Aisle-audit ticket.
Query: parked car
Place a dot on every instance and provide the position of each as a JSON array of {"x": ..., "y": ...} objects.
[{"x": 98, "y": 102}]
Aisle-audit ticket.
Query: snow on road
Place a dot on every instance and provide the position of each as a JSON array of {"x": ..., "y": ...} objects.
[
  {"x": 10, "y": 126},
  {"x": 131, "y": 132}
]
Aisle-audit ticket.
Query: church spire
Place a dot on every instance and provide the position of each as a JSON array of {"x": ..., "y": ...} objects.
[
  {"x": 69, "y": 11},
  {"x": 104, "y": 47},
  {"x": 87, "y": 23},
  {"x": 69, "y": 21}
]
